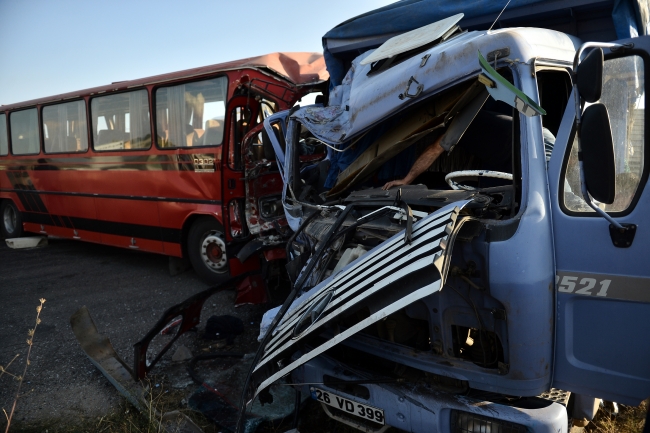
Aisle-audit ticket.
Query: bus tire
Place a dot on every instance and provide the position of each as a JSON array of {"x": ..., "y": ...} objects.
[
  {"x": 12, "y": 220},
  {"x": 206, "y": 249}
]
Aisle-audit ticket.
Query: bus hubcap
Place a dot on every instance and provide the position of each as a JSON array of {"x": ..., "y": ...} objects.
[
  {"x": 213, "y": 252},
  {"x": 9, "y": 218}
]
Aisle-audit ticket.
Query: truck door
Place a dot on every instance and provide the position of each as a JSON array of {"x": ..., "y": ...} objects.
[{"x": 603, "y": 280}]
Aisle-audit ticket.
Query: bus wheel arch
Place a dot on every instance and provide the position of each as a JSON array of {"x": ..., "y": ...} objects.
[
  {"x": 205, "y": 246},
  {"x": 11, "y": 221}
]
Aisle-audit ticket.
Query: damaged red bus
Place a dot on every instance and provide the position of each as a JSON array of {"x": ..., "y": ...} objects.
[{"x": 157, "y": 164}]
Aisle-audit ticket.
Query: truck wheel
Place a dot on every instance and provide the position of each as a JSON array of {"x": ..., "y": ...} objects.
[
  {"x": 12, "y": 221},
  {"x": 206, "y": 248}
]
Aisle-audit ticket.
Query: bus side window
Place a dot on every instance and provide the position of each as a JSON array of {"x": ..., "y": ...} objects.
[
  {"x": 64, "y": 127},
  {"x": 121, "y": 121},
  {"x": 191, "y": 114},
  {"x": 24, "y": 132},
  {"x": 4, "y": 140}
]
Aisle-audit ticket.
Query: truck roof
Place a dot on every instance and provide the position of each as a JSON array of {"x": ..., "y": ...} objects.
[{"x": 590, "y": 20}]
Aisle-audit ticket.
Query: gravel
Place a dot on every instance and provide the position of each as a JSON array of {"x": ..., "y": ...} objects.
[{"x": 126, "y": 292}]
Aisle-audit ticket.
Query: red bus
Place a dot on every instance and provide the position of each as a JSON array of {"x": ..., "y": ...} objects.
[{"x": 157, "y": 164}]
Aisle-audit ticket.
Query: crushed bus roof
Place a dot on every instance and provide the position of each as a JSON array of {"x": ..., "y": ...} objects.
[{"x": 299, "y": 68}]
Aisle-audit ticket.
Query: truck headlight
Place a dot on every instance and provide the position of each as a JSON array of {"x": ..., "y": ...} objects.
[{"x": 466, "y": 422}]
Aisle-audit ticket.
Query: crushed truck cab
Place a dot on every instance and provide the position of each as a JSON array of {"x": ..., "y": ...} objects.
[{"x": 493, "y": 288}]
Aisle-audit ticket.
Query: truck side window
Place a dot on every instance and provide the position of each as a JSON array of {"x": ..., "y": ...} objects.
[{"x": 624, "y": 96}]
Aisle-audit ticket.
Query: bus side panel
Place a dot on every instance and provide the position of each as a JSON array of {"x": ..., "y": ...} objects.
[
  {"x": 129, "y": 223},
  {"x": 195, "y": 193},
  {"x": 68, "y": 213},
  {"x": 127, "y": 213}
]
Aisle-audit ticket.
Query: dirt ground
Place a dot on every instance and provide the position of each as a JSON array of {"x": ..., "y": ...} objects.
[{"x": 126, "y": 293}]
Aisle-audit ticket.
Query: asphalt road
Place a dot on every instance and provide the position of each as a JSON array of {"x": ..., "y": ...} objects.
[{"x": 126, "y": 292}]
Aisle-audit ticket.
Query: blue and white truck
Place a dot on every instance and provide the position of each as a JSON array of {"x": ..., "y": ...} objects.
[{"x": 507, "y": 288}]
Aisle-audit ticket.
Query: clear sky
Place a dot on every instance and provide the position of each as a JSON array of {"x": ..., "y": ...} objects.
[{"x": 49, "y": 47}]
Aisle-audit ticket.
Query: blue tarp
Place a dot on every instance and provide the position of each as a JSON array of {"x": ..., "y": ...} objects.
[{"x": 630, "y": 18}]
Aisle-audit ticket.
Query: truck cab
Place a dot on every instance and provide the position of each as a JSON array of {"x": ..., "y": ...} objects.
[{"x": 494, "y": 289}]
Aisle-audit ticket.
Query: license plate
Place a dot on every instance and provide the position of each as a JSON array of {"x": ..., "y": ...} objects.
[{"x": 348, "y": 406}]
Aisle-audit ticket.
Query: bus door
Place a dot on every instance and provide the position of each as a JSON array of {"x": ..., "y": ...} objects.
[
  {"x": 264, "y": 184},
  {"x": 603, "y": 277},
  {"x": 240, "y": 115}
]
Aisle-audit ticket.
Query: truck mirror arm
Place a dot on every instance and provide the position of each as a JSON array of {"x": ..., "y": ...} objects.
[{"x": 587, "y": 197}]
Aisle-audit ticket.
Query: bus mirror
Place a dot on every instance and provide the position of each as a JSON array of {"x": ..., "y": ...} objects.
[
  {"x": 598, "y": 153},
  {"x": 589, "y": 77}
]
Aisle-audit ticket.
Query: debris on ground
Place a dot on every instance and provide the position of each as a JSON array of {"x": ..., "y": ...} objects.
[
  {"x": 220, "y": 391},
  {"x": 223, "y": 327},
  {"x": 181, "y": 354},
  {"x": 28, "y": 242}
]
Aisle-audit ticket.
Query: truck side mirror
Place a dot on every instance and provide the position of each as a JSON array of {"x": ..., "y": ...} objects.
[
  {"x": 597, "y": 145},
  {"x": 598, "y": 153},
  {"x": 594, "y": 134},
  {"x": 590, "y": 76}
]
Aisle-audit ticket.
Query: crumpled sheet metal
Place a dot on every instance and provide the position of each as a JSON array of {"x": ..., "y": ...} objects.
[
  {"x": 300, "y": 68},
  {"x": 101, "y": 353},
  {"x": 407, "y": 272},
  {"x": 362, "y": 100}
]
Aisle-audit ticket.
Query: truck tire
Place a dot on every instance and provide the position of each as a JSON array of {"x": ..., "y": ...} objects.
[
  {"x": 206, "y": 249},
  {"x": 12, "y": 221}
]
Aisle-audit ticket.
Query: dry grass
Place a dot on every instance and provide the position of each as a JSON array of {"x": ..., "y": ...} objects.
[
  {"x": 125, "y": 419},
  {"x": 629, "y": 420},
  {"x": 20, "y": 378}
]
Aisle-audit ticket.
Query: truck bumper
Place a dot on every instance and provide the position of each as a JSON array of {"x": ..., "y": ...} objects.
[{"x": 418, "y": 408}]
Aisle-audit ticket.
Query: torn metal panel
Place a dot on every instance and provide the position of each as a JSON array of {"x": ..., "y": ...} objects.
[
  {"x": 414, "y": 39},
  {"x": 101, "y": 353},
  {"x": 27, "y": 242},
  {"x": 259, "y": 244},
  {"x": 190, "y": 313},
  {"x": 388, "y": 278}
]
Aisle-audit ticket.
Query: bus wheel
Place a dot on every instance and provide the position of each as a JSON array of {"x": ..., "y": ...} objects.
[
  {"x": 12, "y": 221},
  {"x": 206, "y": 248}
]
